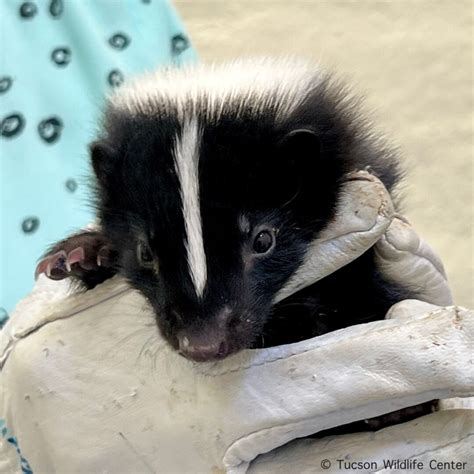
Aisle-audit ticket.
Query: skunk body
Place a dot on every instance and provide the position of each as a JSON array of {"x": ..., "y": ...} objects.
[{"x": 211, "y": 185}]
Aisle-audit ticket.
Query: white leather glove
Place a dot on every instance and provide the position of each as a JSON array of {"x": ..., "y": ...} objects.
[
  {"x": 366, "y": 217},
  {"x": 88, "y": 385},
  {"x": 441, "y": 441}
]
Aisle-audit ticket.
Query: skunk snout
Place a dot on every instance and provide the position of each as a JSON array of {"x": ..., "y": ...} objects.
[
  {"x": 203, "y": 334},
  {"x": 206, "y": 341},
  {"x": 203, "y": 346}
]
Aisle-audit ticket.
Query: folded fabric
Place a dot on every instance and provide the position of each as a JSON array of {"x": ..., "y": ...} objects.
[{"x": 87, "y": 384}]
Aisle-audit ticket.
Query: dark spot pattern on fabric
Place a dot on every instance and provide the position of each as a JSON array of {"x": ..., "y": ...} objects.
[
  {"x": 30, "y": 225},
  {"x": 115, "y": 78},
  {"x": 28, "y": 10},
  {"x": 179, "y": 43},
  {"x": 3, "y": 317},
  {"x": 50, "y": 129},
  {"x": 61, "y": 56},
  {"x": 56, "y": 8},
  {"x": 119, "y": 41},
  {"x": 71, "y": 185},
  {"x": 12, "y": 125},
  {"x": 50, "y": 88},
  {"x": 5, "y": 84}
]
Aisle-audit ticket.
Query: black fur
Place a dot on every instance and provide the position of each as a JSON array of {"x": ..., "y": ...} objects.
[
  {"x": 282, "y": 173},
  {"x": 249, "y": 165}
]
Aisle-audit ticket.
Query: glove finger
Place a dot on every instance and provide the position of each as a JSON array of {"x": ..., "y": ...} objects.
[{"x": 404, "y": 257}]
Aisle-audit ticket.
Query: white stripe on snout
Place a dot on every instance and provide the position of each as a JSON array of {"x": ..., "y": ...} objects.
[{"x": 186, "y": 156}]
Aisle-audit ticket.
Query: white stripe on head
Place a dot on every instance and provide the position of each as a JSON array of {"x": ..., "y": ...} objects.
[
  {"x": 186, "y": 157},
  {"x": 255, "y": 85}
]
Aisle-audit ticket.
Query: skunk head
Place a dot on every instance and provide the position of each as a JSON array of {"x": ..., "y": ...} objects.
[{"x": 212, "y": 183}]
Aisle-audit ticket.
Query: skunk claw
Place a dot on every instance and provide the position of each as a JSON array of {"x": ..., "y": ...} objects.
[
  {"x": 103, "y": 257},
  {"x": 41, "y": 267},
  {"x": 75, "y": 256},
  {"x": 61, "y": 264},
  {"x": 56, "y": 268},
  {"x": 87, "y": 258}
]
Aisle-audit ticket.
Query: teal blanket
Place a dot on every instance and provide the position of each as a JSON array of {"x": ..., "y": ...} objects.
[{"x": 58, "y": 59}]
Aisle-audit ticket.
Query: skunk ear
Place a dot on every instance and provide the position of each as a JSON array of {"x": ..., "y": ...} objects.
[
  {"x": 301, "y": 147},
  {"x": 103, "y": 158}
]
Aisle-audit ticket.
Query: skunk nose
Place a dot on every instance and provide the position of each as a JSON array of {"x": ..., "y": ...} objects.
[{"x": 202, "y": 347}]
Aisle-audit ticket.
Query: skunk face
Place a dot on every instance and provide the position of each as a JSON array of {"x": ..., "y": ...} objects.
[{"x": 211, "y": 186}]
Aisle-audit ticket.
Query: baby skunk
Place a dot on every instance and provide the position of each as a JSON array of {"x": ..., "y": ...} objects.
[{"x": 211, "y": 184}]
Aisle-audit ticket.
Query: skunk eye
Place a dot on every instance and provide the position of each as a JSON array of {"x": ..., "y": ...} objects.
[
  {"x": 144, "y": 255},
  {"x": 263, "y": 242}
]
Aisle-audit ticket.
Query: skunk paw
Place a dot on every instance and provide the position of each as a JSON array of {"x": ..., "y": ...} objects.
[{"x": 87, "y": 257}]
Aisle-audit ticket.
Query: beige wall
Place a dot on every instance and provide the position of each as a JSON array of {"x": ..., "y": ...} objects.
[{"x": 412, "y": 59}]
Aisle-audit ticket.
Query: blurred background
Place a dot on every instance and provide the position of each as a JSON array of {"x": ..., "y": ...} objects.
[{"x": 413, "y": 62}]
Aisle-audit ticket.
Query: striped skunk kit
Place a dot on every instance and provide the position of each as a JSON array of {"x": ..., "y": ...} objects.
[{"x": 211, "y": 184}]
